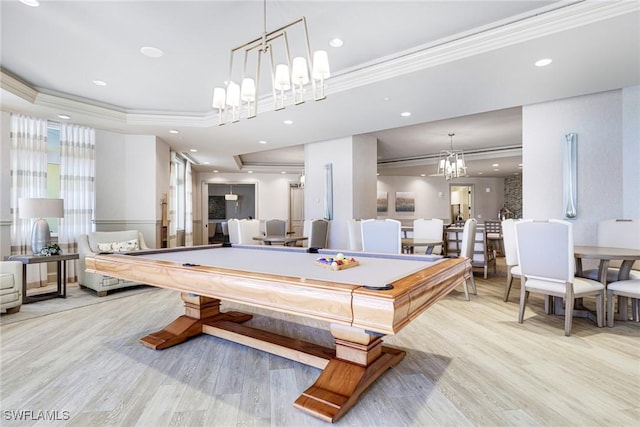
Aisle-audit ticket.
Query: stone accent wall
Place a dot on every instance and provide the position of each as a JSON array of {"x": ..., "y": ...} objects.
[{"x": 513, "y": 195}]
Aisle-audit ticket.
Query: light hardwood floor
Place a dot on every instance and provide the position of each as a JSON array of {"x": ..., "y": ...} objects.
[{"x": 467, "y": 364}]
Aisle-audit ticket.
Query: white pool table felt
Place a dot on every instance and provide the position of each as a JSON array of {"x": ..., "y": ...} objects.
[{"x": 375, "y": 270}]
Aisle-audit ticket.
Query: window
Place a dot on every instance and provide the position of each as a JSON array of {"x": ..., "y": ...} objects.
[{"x": 53, "y": 169}]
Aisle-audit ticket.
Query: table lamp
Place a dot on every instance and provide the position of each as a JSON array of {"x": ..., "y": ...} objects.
[{"x": 40, "y": 208}]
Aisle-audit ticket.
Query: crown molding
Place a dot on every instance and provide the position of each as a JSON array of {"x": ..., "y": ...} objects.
[
  {"x": 500, "y": 35},
  {"x": 546, "y": 21},
  {"x": 17, "y": 87}
]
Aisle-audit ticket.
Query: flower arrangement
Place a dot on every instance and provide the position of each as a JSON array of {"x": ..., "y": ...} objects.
[{"x": 50, "y": 249}]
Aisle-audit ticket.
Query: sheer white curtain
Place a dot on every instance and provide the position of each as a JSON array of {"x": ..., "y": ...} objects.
[
  {"x": 77, "y": 175},
  {"x": 188, "y": 206},
  {"x": 29, "y": 180},
  {"x": 173, "y": 202}
]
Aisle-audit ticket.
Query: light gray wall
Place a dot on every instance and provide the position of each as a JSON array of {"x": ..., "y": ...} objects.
[
  {"x": 604, "y": 180},
  {"x": 432, "y": 196}
]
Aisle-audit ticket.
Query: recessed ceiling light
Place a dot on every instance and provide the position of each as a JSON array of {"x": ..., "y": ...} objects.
[
  {"x": 405, "y": 114},
  {"x": 173, "y": 131},
  {"x": 423, "y": 174},
  {"x": 519, "y": 165},
  {"x": 249, "y": 171},
  {"x": 216, "y": 171},
  {"x": 151, "y": 52},
  {"x": 480, "y": 173},
  {"x": 543, "y": 62},
  {"x": 99, "y": 83},
  {"x": 206, "y": 163},
  {"x": 32, "y": 3},
  {"x": 262, "y": 142},
  {"x": 336, "y": 42},
  {"x": 64, "y": 116},
  {"x": 288, "y": 122},
  {"x": 283, "y": 172},
  {"x": 496, "y": 170},
  {"x": 193, "y": 150},
  {"x": 495, "y": 165}
]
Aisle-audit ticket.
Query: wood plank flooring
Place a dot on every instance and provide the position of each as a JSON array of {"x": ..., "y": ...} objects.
[{"x": 467, "y": 364}]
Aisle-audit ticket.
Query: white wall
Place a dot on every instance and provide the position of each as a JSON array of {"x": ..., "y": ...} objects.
[
  {"x": 602, "y": 184},
  {"x": 132, "y": 172},
  {"x": 353, "y": 160},
  {"x": 5, "y": 185},
  {"x": 631, "y": 151}
]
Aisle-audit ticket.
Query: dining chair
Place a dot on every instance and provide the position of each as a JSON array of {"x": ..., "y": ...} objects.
[
  {"x": 617, "y": 233},
  {"x": 317, "y": 231},
  {"x": 510, "y": 254},
  {"x": 242, "y": 231},
  {"x": 430, "y": 229},
  {"x": 493, "y": 233},
  {"x": 545, "y": 252},
  {"x": 467, "y": 248},
  {"x": 623, "y": 289},
  {"x": 381, "y": 235},
  {"x": 483, "y": 256},
  {"x": 233, "y": 227},
  {"x": 355, "y": 234},
  {"x": 275, "y": 227}
]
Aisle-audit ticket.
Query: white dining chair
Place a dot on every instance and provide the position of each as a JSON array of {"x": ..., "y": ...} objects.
[
  {"x": 545, "y": 252},
  {"x": 429, "y": 229},
  {"x": 467, "y": 249},
  {"x": 381, "y": 235},
  {"x": 510, "y": 254},
  {"x": 355, "y": 234},
  {"x": 623, "y": 289},
  {"x": 617, "y": 233},
  {"x": 242, "y": 231}
]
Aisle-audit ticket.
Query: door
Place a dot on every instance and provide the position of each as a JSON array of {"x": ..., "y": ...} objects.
[
  {"x": 296, "y": 209},
  {"x": 462, "y": 203}
]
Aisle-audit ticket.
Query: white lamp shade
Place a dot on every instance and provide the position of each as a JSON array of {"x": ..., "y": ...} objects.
[
  {"x": 233, "y": 95},
  {"x": 281, "y": 80},
  {"x": 299, "y": 72},
  {"x": 41, "y": 208},
  {"x": 248, "y": 90},
  {"x": 218, "y": 98},
  {"x": 455, "y": 198},
  {"x": 320, "y": 65}
]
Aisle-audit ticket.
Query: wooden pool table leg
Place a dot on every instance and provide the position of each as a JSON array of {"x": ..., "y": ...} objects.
[
  {"x": 198, "y": 311},
  {"x": 360, "y": 360}
]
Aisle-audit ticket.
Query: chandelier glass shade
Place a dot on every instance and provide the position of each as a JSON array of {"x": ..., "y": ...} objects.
[
  {"x": 451, "y": 162},
  {"x": 240, "y": 96}
]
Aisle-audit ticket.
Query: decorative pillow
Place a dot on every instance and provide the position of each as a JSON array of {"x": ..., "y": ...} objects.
[
  {"x": 105, "y": 247},
  {"x": 124, "y": 246}
]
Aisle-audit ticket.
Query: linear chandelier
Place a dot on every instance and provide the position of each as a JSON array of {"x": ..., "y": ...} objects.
[
  {"x": 451, "y": 162},
  {"x": 242, "y": 88}
]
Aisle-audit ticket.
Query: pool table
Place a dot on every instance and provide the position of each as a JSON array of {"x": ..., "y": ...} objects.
[{"x": 362, "y": 304}]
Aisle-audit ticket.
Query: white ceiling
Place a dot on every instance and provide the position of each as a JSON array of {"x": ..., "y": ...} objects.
[{"x": 458, "y": 66}]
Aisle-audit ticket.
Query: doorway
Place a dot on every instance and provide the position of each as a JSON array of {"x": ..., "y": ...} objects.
[
  {"x": 462, "y": 203},
  {"x": 221, "y": 202},
  {"x": 296, "y": 209}
]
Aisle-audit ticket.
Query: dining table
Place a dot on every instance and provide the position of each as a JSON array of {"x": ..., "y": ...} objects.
[
  {"x": 604, "y": 255},
  {"x": 286, "y": 240},
  {"x": 410, "y": 243}
]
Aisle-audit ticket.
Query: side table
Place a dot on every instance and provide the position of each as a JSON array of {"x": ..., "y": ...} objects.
[{"x": 37, "y": 259}]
